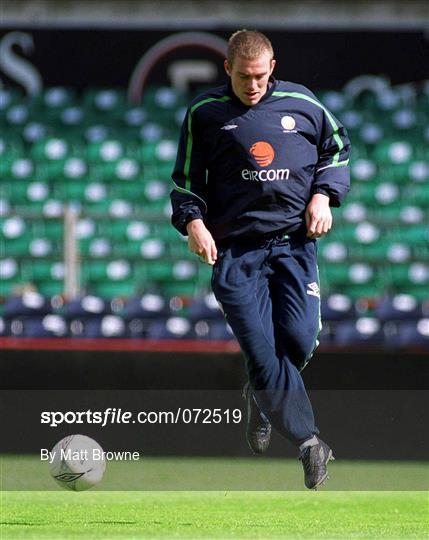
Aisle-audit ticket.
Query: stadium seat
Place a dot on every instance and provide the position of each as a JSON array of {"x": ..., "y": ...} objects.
[
  {"x": 418, "y": 194},
  {"x": 180, "y": 288},
  {"x": 363, "y": 170},
  {"x": 50, "y": 288},
  {"x": 362, "y": 331},
  {"x": 413, "y": 234},
  {"x": 47, "y": 326},
  {"x": 43, "y": 270},
  {"x": 354, "y": 212},
  {"x": 107, "y": 326},
  {"x": 382, "y": 251},
  {"x": 29, "y": 304},
  {"x": 105, "y": 100},
  {"x": 108, "y": 289},
  {"x": 171, "y": 328},
  {"x": 51, "y": 149},
  {"x": 114, "y": 161},
  {"x": 337, "y": 307},
  {"x": 210, "y": 329},
  {"x": 400, "y": 275},
  {"x": 85, "y": 307},
  {"x": 148, "y": 305},
  {"x": 94, "y": 248},
  {"x": 341, "y": 274},
  {"x": 57, "y": 97},
  {"x": 408, "y": 334},
  {"x": 412, "y": 213},
  {"x": 398, "y": 307},
  {"x": 205, "y": 307}
]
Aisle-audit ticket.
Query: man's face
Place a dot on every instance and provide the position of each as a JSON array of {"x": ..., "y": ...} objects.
[{"x": 249, "y": 78}]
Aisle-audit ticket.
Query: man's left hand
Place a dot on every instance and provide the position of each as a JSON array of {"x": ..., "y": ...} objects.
[{"x": 318, "y": 216}]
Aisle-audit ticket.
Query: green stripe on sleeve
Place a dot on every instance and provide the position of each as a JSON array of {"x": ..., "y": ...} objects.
[
  {"x": 189, "y": 144},
  {"x": 189, "y": 192}
]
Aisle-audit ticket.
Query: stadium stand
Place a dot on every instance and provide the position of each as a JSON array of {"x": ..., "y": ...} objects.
[{"x": 113, "y": 161}]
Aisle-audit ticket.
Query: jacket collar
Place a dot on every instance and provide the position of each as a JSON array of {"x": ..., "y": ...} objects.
[{"x": 272, "y": 83}]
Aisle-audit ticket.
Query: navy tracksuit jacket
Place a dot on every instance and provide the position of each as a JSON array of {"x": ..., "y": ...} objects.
[{"x": 249, "y": 173}]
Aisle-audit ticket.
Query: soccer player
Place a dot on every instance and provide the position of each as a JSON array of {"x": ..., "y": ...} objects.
[{"x": 259, "y": 164}]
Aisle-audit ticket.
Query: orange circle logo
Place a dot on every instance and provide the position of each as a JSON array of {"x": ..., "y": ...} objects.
[{"x": 263, "y": 153}]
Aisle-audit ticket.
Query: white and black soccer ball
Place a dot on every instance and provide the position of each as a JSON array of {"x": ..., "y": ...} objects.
[{"x": 78, "y": 463}]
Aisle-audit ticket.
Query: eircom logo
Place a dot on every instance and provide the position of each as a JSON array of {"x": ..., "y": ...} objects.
[
  {"x": 264, "y": 154},
  {"x": 265, "y": 174}
]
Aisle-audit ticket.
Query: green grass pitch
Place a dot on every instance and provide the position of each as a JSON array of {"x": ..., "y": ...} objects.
[{"x": 219, "y": 514}]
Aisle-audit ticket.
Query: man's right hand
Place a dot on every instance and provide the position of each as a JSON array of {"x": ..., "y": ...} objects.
[{"x": 201, "y": 242}]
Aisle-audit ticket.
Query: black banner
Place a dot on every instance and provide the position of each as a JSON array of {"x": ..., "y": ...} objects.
[{"x": 79, "y": 58}]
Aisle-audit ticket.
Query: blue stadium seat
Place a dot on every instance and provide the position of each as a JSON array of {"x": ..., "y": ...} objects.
[
  {"x": 106, "y": 326},
  {"x": 406, "y": 334},
  {"x": 149, "y": 306},
  {"x": 398, "y": 307},
  {"x": 362, "y": 331},
  {"x": 87, "y": 306},
  {"x": 205, "y": 307},
  {"x": 337, "y": 307},
  {"x": 38, "y": 327},
  {"x": 28, "y": 304},
  {"x": 214, "y": 329},
  {"x": 171, "y": 328}
]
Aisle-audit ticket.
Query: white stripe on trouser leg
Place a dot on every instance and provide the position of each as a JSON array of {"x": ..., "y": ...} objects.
[{"x": 309, "y": 442}]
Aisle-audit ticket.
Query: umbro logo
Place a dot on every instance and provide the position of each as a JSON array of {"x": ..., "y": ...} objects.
[
  {"x": 313, "y": 289},
  {"x": 68, "y": 477},
  {"x": 227, "y": 127}
]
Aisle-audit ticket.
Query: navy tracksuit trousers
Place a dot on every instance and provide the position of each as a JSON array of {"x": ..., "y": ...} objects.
[{"x": 269, "y": 292}]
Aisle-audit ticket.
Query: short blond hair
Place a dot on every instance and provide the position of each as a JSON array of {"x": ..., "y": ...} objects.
[{"x": 248, "y": 44}]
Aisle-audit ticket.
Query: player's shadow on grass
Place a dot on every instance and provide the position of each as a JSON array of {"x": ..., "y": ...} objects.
[
  {"x": 111, "y": 522},
  {"x": 38, "y": 523},
  {"x": 25, "y": 523}
]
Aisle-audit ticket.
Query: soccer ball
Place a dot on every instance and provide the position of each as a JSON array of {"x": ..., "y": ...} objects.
[{"x": 78, "y": 463}]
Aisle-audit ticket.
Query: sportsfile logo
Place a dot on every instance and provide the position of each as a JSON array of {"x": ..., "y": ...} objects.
[{"x": 263, "y": 153}]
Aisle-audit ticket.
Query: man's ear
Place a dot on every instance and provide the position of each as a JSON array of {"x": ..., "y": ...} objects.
[
  {"x": 227, "y": 68},
  {"x": 273, "y": 65}
]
